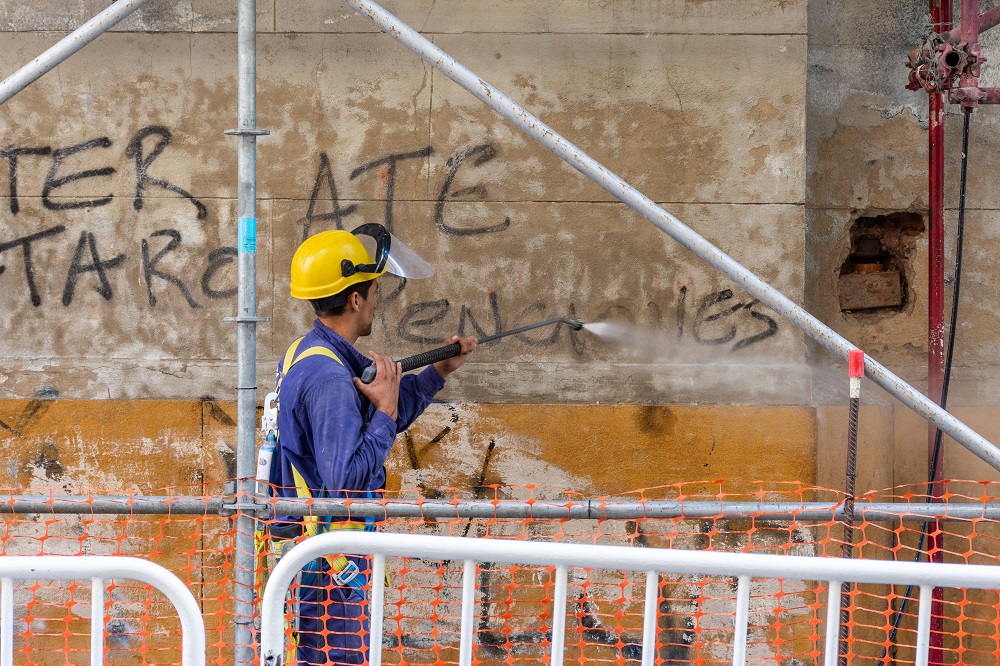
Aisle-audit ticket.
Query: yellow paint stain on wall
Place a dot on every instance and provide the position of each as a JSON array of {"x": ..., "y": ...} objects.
[
  {"x": 605, "y": 449},
  {"x": 625, "y": 447},
  {"x": 599, "y": 449},
  {"x": 136, "y": 445}
]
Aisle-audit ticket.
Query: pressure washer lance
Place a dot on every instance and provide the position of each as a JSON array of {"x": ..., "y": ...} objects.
[{"x": 454, "y": 349}]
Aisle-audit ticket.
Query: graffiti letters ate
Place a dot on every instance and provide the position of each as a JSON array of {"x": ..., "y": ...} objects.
[{"x": 460, "y": 184}]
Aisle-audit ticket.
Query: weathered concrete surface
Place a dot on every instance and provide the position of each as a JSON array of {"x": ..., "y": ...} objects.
[
  {"x": 554, "y": 17},
  {"x": 702, "y": 105},
  {"x": 155, "y": 15},
  {"x": 867, "y": 156},
  {"x": 367, "y": 132},
  {"x": 911, "y": 447},
  {"x": 617, "y": 448},
  {"x": 105, "y": 445},
  {"x": 653, "y": 109},
  {"x": 433, "y": 16},
  {"x": 666, "y": 93},
  {"x": 875, "y": 447}
]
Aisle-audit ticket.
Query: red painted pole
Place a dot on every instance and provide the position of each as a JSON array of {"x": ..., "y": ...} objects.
[
  {"x": 941, "y": 17},
  {"x": 935, "y": 337},
  {"x": 988, "y": 19}
]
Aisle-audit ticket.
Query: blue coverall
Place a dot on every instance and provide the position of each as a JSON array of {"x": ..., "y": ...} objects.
[{"x": 339, "y": 452}]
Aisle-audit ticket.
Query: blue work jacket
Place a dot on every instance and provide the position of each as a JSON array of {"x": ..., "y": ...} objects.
[{"x": 335, "y": 446}]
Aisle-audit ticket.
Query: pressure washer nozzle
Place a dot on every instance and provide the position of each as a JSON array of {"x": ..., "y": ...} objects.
[{"x": 576, "y": 324}]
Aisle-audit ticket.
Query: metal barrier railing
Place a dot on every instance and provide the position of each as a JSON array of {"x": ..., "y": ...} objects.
[
  {"x": 99, "y": 569},
  {"x": 653, "y": 561}
]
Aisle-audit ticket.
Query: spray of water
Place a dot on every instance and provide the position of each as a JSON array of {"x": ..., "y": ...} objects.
[
  {"x": 649, "y": 344},
  {"x": 655, "y": 347}
]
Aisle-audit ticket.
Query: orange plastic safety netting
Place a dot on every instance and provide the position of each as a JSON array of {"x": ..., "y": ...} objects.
[{"x": 514, "y": 603}]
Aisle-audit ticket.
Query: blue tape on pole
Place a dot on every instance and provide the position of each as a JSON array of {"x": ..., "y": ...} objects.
[{"x": 248, "y": 234}]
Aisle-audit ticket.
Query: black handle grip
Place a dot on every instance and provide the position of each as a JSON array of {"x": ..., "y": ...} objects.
[
  {"x": 431, "y": 356},
  {"x": 417, "y": 360}
]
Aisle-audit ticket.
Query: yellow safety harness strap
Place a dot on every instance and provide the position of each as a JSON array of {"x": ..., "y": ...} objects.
[
  {"x": 311, "y": 523},
  {"x": 291, "y": 359},
  {"x": 261, "y": 536}
]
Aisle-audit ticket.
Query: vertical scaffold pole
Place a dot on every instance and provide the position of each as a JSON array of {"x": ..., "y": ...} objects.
[{"x": 246, "y": 320}]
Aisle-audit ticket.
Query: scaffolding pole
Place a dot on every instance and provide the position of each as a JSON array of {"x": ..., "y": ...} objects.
[
  {"x": 246, "y": 320},
  {"x": 66, "y": 47},
  {"x": 583, "y": 509},
  {"x": 674, "y": 228}
]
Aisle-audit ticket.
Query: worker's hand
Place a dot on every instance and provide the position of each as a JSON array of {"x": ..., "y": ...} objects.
[
  {"x": 384, "y": 389},
  {"x": 448, "y": 366}
]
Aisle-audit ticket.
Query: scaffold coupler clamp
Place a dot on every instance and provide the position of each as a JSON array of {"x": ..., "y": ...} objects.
[
  {"x": 245, "y": 504},
  {"x": 938, "y": 63}
]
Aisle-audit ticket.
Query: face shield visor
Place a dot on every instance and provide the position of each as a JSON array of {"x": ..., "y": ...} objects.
[{"x": 389, "y": 254}]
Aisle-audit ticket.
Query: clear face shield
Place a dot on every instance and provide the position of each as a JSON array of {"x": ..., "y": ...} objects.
[{"x": 389, "y": 254}]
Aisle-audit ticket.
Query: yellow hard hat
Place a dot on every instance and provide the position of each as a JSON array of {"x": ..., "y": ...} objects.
[{"x": 330, "y": 262}]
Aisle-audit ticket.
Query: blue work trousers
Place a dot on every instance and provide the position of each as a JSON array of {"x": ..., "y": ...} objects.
[{"x": 333, "y": 620}]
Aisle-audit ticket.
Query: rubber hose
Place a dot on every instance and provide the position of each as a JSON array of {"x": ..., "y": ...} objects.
[{"x": 897, "y": 620}]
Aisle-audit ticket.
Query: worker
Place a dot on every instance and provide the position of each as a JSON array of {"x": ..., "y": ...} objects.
[{"x": 335, "y": 431}]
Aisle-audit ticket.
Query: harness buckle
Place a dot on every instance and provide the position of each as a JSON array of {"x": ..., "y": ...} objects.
[{"x": 349, "y": 576}]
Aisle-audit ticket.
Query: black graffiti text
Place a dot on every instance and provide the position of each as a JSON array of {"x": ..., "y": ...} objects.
[
  {"x": 719, "y": 321},
  {"x": 62, "y": 171},
  {"x": 480, "y": 155},
  {"x": 326, "y": 202},
  {"x": 160, "y": 271}
]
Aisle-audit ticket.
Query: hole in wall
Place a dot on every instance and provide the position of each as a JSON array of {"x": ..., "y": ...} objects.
[{"x": 873, "y": 277}]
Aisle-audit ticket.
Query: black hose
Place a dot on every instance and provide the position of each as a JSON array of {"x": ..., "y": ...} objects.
[
  {"x": 454, "y": 349},
  {"x": 932, "y": 476}
]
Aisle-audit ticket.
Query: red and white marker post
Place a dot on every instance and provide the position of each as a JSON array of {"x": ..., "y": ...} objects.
[{"x": 856, "y": 370}]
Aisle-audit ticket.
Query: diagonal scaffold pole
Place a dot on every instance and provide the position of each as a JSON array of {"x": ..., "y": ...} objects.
[
  {"x": 640, "y": 203},
  {"x": 66, "y": 47}
]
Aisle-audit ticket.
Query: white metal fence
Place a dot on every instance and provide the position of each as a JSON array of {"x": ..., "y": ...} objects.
[
  {"x": 653, "y": 561},
  {"x": 99, "y": 569}
]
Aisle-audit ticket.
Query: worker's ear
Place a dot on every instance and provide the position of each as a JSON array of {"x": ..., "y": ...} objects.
[{"x": 354, "y": 300}]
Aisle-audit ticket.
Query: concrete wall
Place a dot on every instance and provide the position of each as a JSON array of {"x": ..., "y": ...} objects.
[
  {"x": 867, "y": 158},
  {"x": 769, "y": 127},
  {"x": 118, "y": 243}
]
